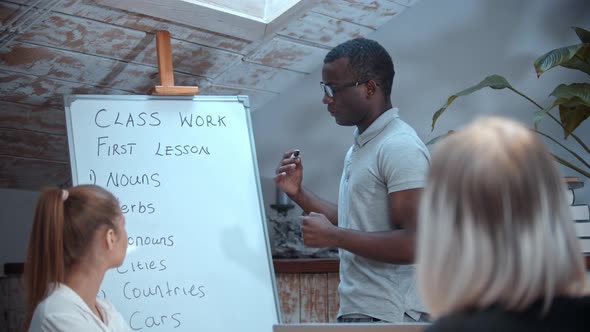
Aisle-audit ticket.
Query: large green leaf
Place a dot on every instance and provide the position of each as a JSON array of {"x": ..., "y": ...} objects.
[
  {"x": 581, "y": 61},
  {"x": 583, "y": 34},
  {"x": 579, "y": 92},
  {"x": 493, "y": 81},
  {"x": 568, "y": 96},
  {"x": 573, "y": 57},
  {"x": 574, "y": 105},
  {"x": 572, "y": 116}
]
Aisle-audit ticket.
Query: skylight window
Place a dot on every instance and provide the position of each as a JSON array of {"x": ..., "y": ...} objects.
[
  {"x": 245, "y": 19},
  {"x": 264, "y": 11}
]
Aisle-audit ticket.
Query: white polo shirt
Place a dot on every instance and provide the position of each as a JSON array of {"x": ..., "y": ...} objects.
[
  {"x": 387, "y": 157},
  {"x": 64, "y": 310}
]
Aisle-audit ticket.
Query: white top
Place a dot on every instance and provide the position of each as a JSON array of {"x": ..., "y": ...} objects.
[{"x": 64, "y": 310}]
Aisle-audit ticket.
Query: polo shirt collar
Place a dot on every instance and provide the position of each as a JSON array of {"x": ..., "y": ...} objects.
[{"x": 376, "y": 127}]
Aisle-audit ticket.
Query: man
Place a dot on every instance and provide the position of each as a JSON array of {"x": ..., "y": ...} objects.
[{"x": 374, "y": 223}]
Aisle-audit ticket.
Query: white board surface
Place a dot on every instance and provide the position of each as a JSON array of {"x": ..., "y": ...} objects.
[{"x": 184, "y": 170}]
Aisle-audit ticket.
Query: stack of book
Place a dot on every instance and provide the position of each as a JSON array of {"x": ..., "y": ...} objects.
[{"x": 580, "y": 213}]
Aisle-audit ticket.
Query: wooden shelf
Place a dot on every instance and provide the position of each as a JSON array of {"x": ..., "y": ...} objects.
[{"x": 306, "y": 265}]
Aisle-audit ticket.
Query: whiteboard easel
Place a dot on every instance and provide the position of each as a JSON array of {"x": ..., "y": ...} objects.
[{"x": 185, "y": 172}]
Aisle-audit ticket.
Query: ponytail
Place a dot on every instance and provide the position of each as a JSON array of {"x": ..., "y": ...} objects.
[{"x": 45, "y": 255}]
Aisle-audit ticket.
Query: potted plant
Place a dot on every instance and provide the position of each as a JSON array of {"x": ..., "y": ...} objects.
[{"x": 572, "y": 100}]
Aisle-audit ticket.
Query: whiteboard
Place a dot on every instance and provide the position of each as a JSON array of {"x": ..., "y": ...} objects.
[{"x": 184, "y": 170}]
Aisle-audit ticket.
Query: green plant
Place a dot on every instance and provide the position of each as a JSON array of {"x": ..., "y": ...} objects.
[{"x": 573, "y": 100}]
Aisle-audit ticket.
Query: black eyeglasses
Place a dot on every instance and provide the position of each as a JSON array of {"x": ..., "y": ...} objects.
[{"x": 329, "y": 90}]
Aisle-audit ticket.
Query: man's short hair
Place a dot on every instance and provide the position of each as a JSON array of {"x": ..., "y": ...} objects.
[{"x": 367, "y": 60}]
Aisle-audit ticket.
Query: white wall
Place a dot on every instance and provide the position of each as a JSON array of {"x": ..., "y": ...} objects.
[
  {"x": 438, "y": 48},
  {"x": 17, "y": 208}
]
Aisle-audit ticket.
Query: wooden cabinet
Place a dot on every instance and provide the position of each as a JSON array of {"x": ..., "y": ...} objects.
[{"x": 307, "y": 289}]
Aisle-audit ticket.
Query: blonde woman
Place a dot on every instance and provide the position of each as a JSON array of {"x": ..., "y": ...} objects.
[
  {"x": 77, "y": 235},
  {"x": 497, "y": 250}
]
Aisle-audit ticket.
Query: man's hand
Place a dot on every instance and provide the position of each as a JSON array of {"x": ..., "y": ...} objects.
[
  {"x": 318, "y": 231},
  {"x": 289, "y": 178},
  {"x": 289, "y": 174}
]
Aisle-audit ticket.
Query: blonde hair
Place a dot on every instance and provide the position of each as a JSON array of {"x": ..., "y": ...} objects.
[
  {"x": 494, "y": 225},
  {"x": 63, "y": 227}
]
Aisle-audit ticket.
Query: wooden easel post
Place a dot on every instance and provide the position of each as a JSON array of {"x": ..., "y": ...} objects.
[{"x": 166, "y": 72}]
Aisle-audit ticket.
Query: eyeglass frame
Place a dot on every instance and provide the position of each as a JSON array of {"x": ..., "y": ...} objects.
[{"x": 330, "y": 91}]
